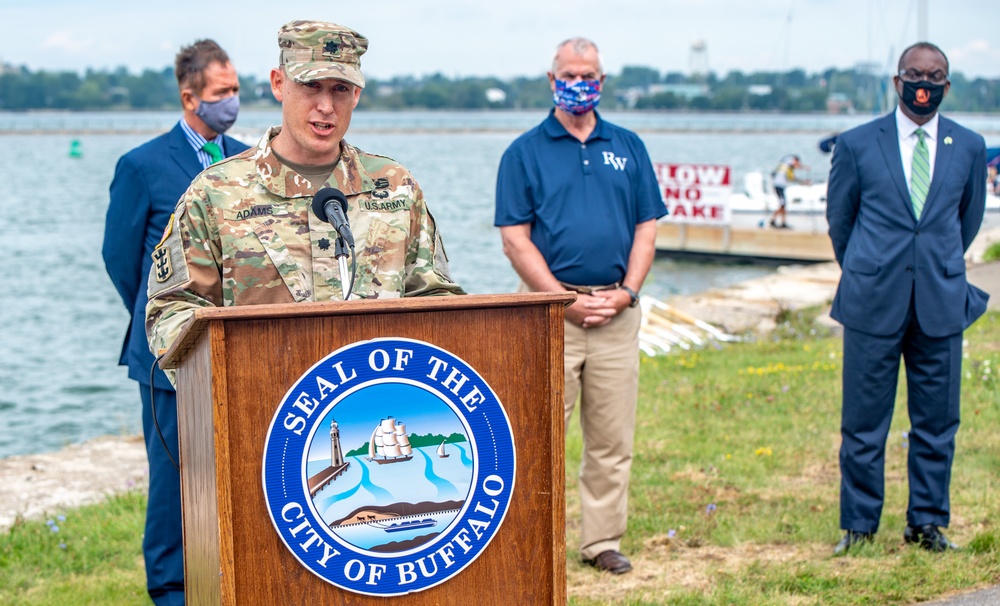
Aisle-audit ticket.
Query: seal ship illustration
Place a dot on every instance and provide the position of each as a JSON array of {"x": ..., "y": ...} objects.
[{"x": 389, "y": 443}]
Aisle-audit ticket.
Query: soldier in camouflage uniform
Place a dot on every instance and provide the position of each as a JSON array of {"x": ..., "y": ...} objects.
[{"x": 244, "y": 234}]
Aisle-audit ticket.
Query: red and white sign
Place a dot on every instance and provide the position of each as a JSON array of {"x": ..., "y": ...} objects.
[{"x": 695, "y": 193}]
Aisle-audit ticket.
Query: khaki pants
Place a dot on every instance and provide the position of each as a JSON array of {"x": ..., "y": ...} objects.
[{"x": 602, "y": 368}]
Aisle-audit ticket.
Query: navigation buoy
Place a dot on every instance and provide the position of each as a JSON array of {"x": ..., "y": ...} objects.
[{"x": 75, "y": 149}]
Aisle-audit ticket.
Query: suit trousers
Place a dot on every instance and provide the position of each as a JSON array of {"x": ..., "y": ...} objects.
[
  {"x": 163, "y": 546},
  {"x": 602, "y": 368},
  {"x": 933, "y": 379}
]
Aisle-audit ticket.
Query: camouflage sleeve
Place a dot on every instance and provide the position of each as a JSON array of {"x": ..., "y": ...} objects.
[
  {"x": 426, "y": 271},
  {"x": 186, "y": 273}
]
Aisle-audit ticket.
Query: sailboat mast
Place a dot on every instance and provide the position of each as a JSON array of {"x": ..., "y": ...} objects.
[{"x": 922, "y": 20}]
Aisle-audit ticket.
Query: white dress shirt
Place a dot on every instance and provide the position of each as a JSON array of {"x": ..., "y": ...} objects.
[{"x": 907, "y": 131}]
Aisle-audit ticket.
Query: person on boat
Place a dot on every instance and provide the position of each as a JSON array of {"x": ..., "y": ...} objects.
[
  {"x": 783, "y": 176},
  {"x": 244, "y": 233},
  {"x": 906, "y": 198},
  {"x": 147, "y": 183},
  {"x": 577, "y": 203}
]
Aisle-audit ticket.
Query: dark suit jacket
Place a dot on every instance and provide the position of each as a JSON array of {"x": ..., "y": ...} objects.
[
  {"x": 148, "y": 182},
  {"x": 886, "y": 254}
]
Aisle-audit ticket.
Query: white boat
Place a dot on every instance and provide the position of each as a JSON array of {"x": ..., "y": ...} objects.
[
  {"x": 389, "y": 443},
  {"x": 440, "y": 451},
  {"x": 757, "y": 196}
]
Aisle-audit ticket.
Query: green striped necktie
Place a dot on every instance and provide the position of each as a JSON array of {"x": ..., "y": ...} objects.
[
  {"x": 214, "y": 151},
  {"x": 920, "y": 174}
]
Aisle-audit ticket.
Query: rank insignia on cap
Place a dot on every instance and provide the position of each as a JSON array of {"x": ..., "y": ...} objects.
[
  {"x": 161, "y": 264},
  {"x": 332, "y": 48}
]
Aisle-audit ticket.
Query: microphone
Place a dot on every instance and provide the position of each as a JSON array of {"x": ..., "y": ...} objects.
[{"x": 330, "y": 205}]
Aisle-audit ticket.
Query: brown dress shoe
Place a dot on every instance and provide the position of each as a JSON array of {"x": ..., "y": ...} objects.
[{"x": 611, "y": 561}]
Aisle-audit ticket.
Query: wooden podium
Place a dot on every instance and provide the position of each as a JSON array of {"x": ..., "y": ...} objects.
[{"x": 234, "y": 366}]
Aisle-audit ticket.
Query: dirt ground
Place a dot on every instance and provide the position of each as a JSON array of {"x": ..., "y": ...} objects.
[{"x": 51, "y": 483}]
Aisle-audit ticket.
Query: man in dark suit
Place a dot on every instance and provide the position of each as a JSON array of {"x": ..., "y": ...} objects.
[
  {"x": 906, "y": 198},
  {"x": 148, "y": 182}
]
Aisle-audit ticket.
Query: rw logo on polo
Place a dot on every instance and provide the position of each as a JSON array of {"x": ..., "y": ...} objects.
[
  {"x": 388, "y": 467},
  {"x": 615, "y": 161}
]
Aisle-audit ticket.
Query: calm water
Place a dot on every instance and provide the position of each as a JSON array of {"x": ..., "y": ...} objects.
[{"x": 62, "y": 321}]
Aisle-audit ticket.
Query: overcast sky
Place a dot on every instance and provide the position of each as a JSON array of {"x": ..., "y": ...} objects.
[{"x": 509, "y": 37}]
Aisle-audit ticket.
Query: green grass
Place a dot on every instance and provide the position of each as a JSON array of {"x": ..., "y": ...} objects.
[
  {"x": 735, "y": 483},
  {"x": 752, "y": 429},
  {"x": 90, "y": 555},
  {"x": 992, "y": 252}
]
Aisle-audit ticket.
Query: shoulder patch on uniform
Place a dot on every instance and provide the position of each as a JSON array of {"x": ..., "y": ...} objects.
[
  {"x": 169, "y": 268},
  {"x": 162, "y": 269},
  {"x": 166, "y": 231}
]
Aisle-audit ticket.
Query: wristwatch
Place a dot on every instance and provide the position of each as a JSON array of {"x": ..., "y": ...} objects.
[{"x": 632, "y": 295}]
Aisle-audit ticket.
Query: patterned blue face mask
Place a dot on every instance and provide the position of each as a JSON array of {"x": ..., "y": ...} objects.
[{"x": 577, "y": 98}]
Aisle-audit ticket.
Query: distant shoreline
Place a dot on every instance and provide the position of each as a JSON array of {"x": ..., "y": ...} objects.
[{"x": 255, "y": 120}]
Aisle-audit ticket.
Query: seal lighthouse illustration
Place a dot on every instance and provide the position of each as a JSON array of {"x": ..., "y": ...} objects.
[{"x": 390, "y": 442}]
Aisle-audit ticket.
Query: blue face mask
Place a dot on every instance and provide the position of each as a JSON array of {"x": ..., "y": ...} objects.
[
  {"x": 219, "y": 115},
  {"x": 577, "y": 98}
]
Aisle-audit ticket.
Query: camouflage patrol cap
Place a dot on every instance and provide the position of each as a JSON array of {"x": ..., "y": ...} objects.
[{"x": 316, "y": 50}]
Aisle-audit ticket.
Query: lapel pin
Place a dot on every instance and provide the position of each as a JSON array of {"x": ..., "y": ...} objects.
[{"x": 947, "y": 140}]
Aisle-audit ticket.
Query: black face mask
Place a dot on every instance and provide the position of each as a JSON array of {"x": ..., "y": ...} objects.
[{"x": 922, "y": 97}]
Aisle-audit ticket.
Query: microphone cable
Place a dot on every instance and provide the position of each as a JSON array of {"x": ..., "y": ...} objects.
[
  {"x": 354, "y": 270},
  {"x": 152, "y": 407}
]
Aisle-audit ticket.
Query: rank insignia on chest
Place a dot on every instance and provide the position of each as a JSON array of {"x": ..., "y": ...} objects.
[{"x": 161, "y": 264}]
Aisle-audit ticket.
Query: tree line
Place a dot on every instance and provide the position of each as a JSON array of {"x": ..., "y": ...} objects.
[{"x": 635, "y": 87}]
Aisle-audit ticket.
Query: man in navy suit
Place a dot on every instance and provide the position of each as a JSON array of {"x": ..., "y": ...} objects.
[
  {"x": 906, "y": 198},
  {"x": 148, "y": 182}
]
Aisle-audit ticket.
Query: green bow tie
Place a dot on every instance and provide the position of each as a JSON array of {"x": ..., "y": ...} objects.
[{"x": 212, "y": 150}]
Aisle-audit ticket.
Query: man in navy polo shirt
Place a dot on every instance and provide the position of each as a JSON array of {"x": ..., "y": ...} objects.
[{"x": 577, "y": 203}]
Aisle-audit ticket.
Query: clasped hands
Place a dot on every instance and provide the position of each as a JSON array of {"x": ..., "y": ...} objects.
[{"x": 597, "y": 308}]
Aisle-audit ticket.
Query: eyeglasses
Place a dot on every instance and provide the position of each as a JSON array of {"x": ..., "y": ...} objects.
[{"x": 912, "y": 75}]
